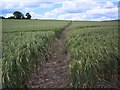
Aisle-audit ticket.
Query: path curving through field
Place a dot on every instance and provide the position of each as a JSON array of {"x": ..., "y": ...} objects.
[{"x": 54, "y": 72}]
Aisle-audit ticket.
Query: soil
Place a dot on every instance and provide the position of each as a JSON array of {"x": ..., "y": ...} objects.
[{"x": 52, "y": 73}]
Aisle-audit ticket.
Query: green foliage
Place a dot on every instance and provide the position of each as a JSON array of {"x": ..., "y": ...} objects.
[
  {"x": 23, "y": 50},
  {"x": 1, "y": 17},
  {"x": 93, "y": 53},
  {"x": 32, "y": 25},
  {"x": 21, "y": 54},
  {"x": 17, "y": 15},
  {"x": 28, "y": 16},
  {"x": 11, "y": 17}
]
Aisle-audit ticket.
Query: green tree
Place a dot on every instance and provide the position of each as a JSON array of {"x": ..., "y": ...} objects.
[
  {"x": 28, "y": 16},
  {"x": 1, "y": 17},
  {"x": 17, "y": 15},
  {"x": 22, "y": 17},
  {"x": 11, "y": 17}
]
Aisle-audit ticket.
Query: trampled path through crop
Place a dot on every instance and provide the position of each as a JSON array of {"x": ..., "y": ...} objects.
[{"x": 52, "y": 73}]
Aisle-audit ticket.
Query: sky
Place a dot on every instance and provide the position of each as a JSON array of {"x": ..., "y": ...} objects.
[{"x": 91, "y": 10}]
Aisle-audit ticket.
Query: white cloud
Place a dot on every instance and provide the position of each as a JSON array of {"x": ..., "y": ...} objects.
[
  {"x": 22, "y": 5},
  {"x": 44, "y": 5},
  {"x": 70, "y": 9},
  {"x": 109, "y": 4},
  {"x": 19, "y": 1},
  {"x": 8, "y": 15},
  {"x": 107, "y": 0},
  {"x": 101, "y": 19},
  {"x": 79, "y": 4},
  {"x": 77, "y": 16},
  {"x": 35, "y": 15},
  {"x": 102, "y": 11},
  {"x": 90, "y": 9}
]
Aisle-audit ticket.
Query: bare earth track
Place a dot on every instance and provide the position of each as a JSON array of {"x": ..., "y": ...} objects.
[{"x": 54, "y": 72}]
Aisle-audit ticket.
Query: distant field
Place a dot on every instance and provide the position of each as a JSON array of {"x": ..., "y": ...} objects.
[
  {"x": 32, "y": 25},
  {"x": 25, "y": 44},
  {"x": 90, "y": 24},
  {"x": 93, "y": 51},
  {"x": 92, "y": 47}
]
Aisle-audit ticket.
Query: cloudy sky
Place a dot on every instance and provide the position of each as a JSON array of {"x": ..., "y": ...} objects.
[{"x": 63, "y": 9}]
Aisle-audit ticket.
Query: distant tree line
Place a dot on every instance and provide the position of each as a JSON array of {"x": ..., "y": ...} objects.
[{"x": 18, "y": 15}]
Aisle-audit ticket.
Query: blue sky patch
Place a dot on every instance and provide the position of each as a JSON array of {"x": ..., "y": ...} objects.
[{"x": 63, "y": 9}]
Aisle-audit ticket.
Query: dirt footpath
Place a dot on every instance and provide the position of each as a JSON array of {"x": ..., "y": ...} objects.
[{"x": 54, "y": 72}]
